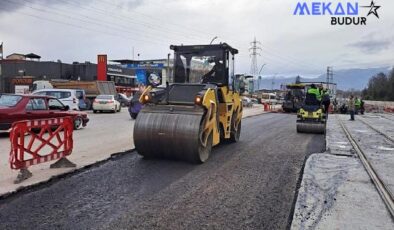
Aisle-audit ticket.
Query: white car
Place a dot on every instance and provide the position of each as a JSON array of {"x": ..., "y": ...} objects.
[
  {"x": 106, "y": 103},
  {"x": 66, "y": 96}
]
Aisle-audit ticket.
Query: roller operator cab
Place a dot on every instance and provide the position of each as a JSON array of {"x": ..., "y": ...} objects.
[{"x": 200, "y": 109}]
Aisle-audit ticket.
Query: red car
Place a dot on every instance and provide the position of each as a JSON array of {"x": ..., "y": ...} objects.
[{"x": 27, "y": 107}]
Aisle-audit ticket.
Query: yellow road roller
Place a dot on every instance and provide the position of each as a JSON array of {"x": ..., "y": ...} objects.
[
  {"x": 310, "y": 117},
  {"x": 198, "y": 110}
]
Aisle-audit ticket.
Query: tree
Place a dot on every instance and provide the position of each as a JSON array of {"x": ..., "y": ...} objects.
[{"x": 380, "y": 87}]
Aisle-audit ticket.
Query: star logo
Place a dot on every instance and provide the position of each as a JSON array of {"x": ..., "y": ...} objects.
[{"x": 373, "y": 9}]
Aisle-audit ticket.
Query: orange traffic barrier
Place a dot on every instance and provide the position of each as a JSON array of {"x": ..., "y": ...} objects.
[
  {"x": 38, "y": 141},
  {"x": 266, "y": 107},
  {"x": 389, "y": 109}
]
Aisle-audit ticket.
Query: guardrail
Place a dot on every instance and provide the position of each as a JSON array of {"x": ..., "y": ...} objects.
[{"x": 37, "y": 141}]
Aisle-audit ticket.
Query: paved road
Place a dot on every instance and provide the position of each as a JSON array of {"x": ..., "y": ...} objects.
[{"x": 248, "y": 185}]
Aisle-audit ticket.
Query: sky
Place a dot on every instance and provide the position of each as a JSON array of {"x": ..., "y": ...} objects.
[{"x": 72, "y": 30}]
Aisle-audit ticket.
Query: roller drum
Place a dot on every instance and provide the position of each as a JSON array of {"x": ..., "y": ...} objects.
[
  {"x": 168, "y": 135},
  {"x": 305, "y": 127}
]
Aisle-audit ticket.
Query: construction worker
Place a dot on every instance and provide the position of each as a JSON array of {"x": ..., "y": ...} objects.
[
  {"x": 326, "y": 100},
  {"x": 351, "y": 107},
  {"x": 362, "y": 108},
  {"x": 315, "y": 91},
  {"x": 357, "y": 105},
  {"x": 321, "y": 90}
]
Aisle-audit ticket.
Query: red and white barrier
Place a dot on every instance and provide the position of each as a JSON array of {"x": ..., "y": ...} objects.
[{"x": 38, "y": 141}]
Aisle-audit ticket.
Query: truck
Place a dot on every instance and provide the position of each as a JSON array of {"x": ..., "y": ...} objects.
[{"x": 92, "y": 88}]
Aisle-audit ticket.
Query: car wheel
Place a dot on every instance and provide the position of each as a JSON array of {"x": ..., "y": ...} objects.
[
  {"x": 78, "y": 123},
  {"x": 94, "y": 111}
]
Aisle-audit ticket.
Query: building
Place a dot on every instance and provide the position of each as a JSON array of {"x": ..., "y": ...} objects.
[{"x": 19, "y": 71}]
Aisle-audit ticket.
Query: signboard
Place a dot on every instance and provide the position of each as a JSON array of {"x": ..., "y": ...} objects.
[
  {"x": 145, "y": 66},
  {"x": 149, "y": 76},
  {"x": 251, "y": 86},
  {"x": 22, "y": 81},
  {"x": 22, "y": 89},
  {"x": 102, "y": 67},
  {"x": 141, "y": 76}
]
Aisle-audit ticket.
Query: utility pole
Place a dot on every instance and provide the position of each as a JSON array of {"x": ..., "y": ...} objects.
[
  {"x": 329, "y": 77},
  {"x": 2, "y": 89},
  {"x": 254, "y": 52},
  {"x": 168, "y": 68},
  {"x": 259, "y": 78}
]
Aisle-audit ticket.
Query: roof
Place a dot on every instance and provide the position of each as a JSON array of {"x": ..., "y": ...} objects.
[
  {"x": 32, "y": 55},
  {"x": 131, "y": 61},
  {"x": 222, "y": 46},
  {"x": 55, "y": 90},
  {"x": 15, "y": 54},
  {"x": 28, "y": 95}
]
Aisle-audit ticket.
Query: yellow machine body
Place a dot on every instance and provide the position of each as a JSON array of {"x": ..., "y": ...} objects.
[{"x": 184, "y": 120}]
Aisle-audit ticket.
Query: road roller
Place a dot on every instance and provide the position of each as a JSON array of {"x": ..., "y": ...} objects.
[
  {"x": 310, "y": 117},
  {"x": 199, "y": 109}
]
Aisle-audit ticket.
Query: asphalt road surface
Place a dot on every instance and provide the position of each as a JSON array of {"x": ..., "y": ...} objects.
[{"x": 247, "y": 185}]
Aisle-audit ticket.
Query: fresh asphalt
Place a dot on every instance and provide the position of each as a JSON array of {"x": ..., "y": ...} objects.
[{"x": 247, "y": 185}]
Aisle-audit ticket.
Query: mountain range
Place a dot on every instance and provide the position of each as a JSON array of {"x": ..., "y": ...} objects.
[{"x": 346, "y": 79}]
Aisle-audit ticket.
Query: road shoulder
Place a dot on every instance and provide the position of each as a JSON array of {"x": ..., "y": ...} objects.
[{"x": 336, "y": 192}]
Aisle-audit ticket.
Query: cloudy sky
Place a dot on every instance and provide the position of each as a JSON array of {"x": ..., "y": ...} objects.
[{"x": 72, "y": 30}]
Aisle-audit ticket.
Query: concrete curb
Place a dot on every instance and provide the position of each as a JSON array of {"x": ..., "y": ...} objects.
[{"x": 56, "y": 178}]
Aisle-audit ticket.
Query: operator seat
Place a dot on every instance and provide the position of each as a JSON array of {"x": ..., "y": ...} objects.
[{"x": 311, "y": 103}]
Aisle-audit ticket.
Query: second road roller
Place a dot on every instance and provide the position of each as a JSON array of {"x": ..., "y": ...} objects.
[
  {"x": 311, "y": 118},
  {"x": 198, "y": 110}
]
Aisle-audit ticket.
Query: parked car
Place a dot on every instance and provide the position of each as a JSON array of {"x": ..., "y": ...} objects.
[
  {"x": 247, "y": 102},
  {"x": 254, "y": 101},
  {"x": 123, "y": 99},
  {"x": 106, "y": 103},
  {"x": 27, "y": 107},
  {"x": 66, "y": 96}
]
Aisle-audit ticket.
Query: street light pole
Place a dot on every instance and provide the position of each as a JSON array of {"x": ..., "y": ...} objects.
[
  {"x": 213, "y": 39},
  {"x": 259, "y": 78},
  {"x": 168, "y": 68}
]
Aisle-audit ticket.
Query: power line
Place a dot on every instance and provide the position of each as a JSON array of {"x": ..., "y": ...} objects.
[
  {"x": 81, "y": 27},
  {"x": 136, "y": 21},
  {"x": 98, "y": 22},
  {"x": 160, "y": 20},
  {"x": 287, "y": 59}
]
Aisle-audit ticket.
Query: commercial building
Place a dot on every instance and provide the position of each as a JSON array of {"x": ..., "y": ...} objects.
[{"x": 19, "y": 71}]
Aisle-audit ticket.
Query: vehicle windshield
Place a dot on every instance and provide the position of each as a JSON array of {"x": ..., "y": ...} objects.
[
  {"x": 59, "y": 94},
  {"x": 104, "y": 97},
  {"x": 80, "y": 94},
  {"x": 194, "y": 66},
  {"x": 9, "y": 100}
]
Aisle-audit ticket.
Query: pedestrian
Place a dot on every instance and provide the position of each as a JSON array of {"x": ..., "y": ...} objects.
[
  {"x": 335, "y": 104},
  {"x": 362, "y": 109},
  {"x": 357, "y": 104},
  {"x": 351, "y": 107}
]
